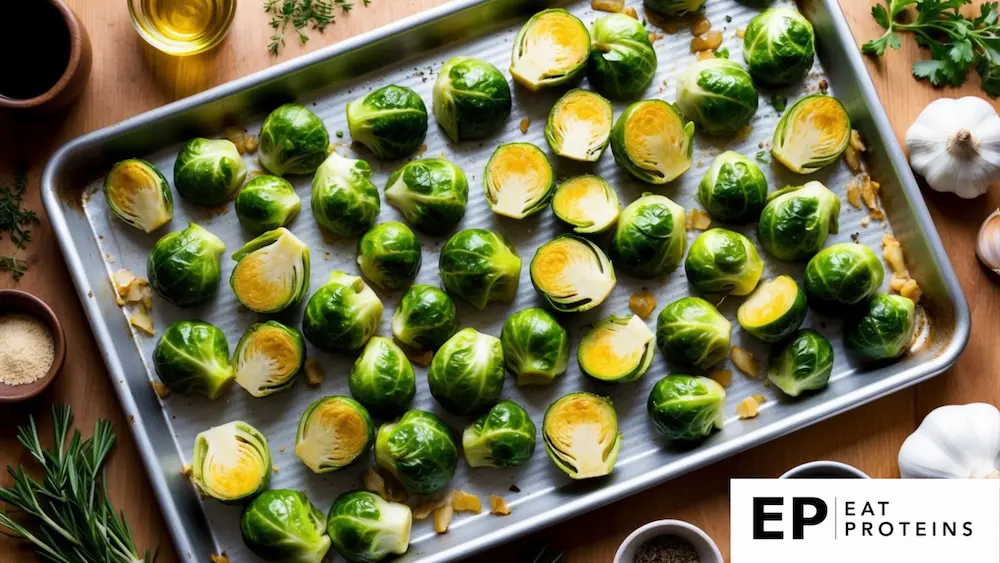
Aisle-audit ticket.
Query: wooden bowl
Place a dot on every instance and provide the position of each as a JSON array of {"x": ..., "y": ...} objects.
[{"x": 15, "y": 301}]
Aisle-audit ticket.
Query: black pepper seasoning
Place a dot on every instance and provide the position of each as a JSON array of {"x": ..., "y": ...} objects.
[{"x": 666, "y": 549}]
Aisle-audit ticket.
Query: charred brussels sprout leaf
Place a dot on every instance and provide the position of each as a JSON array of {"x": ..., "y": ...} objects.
[
  {"x": 333, "y": 433},
  {"x": 425, "y": 318},
  {"x": 138, "y": 194},
  {"x": 796, "y": 221},
  {"x": 418, "y": 449},
  {"x": 391, "y": 121},
  {"x": 690, "y": 331},
  {"x": 231, "y": 463},
  {"x": 466, "y": 374},
  {"x": 550, "y": 50},
  {"x": 208, "y": 172},
  {"x": 811, "y": 134},
  {"x": 518, "y": 180},
  {"x": 272, "y": 272},
  {"x": 572, "y": 274},
  {"x": 535, "y": 347},
  {"x": 193, "y": 357},
  {"x": 503, "y": 437},
  {"x": 579, "y": 126},
  {"x": 586, "y": 203},
  {"x": 431, "y": 193},
  {"x": 342, "y": 315},
  {"x": 723, "y": 262},
  {"x": 622, "y": 60},
  {"x": 843, "y": 274},
  {"x": 480, "y": 266},
  {"x": 389, "y": 255},
  {"x": 803, "y": 363},
  {"x": 293, "y": 140},
  {"x": 778, "y": 47},
  {"x": 734, "y": 190},
  {"x": 344, "y": 199},
  {"x": 266, "y": 203},
  {"x": 580, "y": 431},
  {"x": 281, "y": 525},
  {"x": 651, "y": 141},
  {"x": 617, "y": 350},
  {"x": 364, "y": 528},
  {"x": 268, "y": 358},
  {"x": 686, "y": 407},
  {"x": 774, "y": 311},
  {"x": 183, "y": 266},
  {"x": 382, "y": 378},
  {"x": 650, "y": 238},
  {"x": 674, "y": 7},
  {"x": 718, "y": 95},
  {"x": 471, "y": 99},
  {"x": 885, "y": 331}
]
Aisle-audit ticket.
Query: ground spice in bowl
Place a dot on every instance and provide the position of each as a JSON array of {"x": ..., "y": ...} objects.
[
  {"x": 667, "y": 548},
  {"x": 26, "y": 349}
]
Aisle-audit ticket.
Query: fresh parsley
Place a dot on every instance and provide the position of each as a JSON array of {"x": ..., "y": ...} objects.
[
  {"x": 301, "y": 15},
  {"x": 16, "y": 222},
  {"x": 722, "y": 53},
  {"x": 762, "y": 157}
]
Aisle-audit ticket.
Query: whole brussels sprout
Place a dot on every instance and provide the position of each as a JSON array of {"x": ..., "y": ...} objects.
[
  {"x": 550, "y": 50},
  {"x": 364, "y": 528},
  {"x": 885, "y": 331},
  {"x": 425, "y": 318},
  {"x": 587, "y": 203},
  {"x": 183, "y": 266},
  {"x": 796, "y": 221},
  {"x": 282, "y": 526},
  {"x": 389, "y": 255},
  {"x": 209, "y": 171},
  {"x": 811, "y": 134},
  {"x": 622, "y": 60},
  {"x": 723, "y": 262},
  {"x": 650, "y": 238},
  {"x": 503, "y": 437},
  {"x": 686, "y": 407},
  {"x": 138, "y": 194},
  {"x": 382, "y": 378},
  {"x": 344, "y": 199},
  {"x": 391, "y": 121},
  {"x": 333, "y": 433},
  {"x": 734, "y": 190},
  {"x": 471, "y": 99},
  {"x": 774, "y": 310},
  {"x": 193, "y": 357},
  {"x": 231, "y": 463},
  {"x": 690, "y": 331},
  {"x": 535, "y": 346},
  {"x": 268, "y": 358},
  {"x": 718, "y": 95},
  {"x": 572, "y": 274},
  {"x": 431, "y": 193},
  {"x": 580, "y": 431},
  {"x": 843, "y": 274},
  {"x": 674, "y": 7},
  {"x": 579, "y": 126},
  {"x": 803, "y": 363},
  {"x": 480, "y": 266},
  {"x": 778, "y": 47},
  {"x": 652, "y": 142},
  {"x": 518, "y": 180},
  {"x": 616, "y": 350},
  {"x": 266, "y": 203},
  {"x": 293, "y": 140},
  {"x": 418, "y": 449},
  {"x": 466, "y": 374},
  {"x": 272, "y": 272},
  {"x": 342, "y": 315}
]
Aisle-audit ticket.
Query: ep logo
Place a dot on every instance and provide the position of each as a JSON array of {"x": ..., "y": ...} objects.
[{"x": 769, "y": 516}]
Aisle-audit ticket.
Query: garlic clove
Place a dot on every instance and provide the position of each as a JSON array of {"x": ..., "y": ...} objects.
[{"x": 988, "y": 242}]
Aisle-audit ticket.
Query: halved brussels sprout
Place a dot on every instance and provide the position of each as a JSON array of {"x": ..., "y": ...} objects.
[
  {"x": 193, "y": 357},
  {"x": 885, "y": 331},
  {"x": 272, "y": 272},
  {"x": 138, "y": 194},
  {"x": 466, "y": 374},
  {"x": 293, "y": 140},
  {"x": 266, "y": 203},
  {"x": 209, "y": 171},
  {"x": 797, "y": 219},
  {"x": 503, "y": 437},
  {"x": 811, "y": 134},
  {"x": 382, "y": 378},
  {"x": 268, "y": 358},
  {"x": 718, "y": 95},
  {"x": 425, "y": 318},
  {"x": 774, "y": 310},
  {"x": 342, "y": 315},
  {"x": 535, "y": 346},
  {"x": 690, "y": 331},
  {"x": 723, "y": 262},
  {"x": 518, "y": 180},
  {"x": 622, "y": 60},
  {"x": 650, "y": 238},
  {"x": 418, "y": 449},
  {"x": 617, "y": 350},
  {"x": 365, "y": 528},
  {"x": 333, "y": 433},
  {"x": 674, "y": 7},
  {"x": 480, "y": 266},
  {"x": 572, "y": 274},
  {"x": 344, "y": 199},
  {"x": 778, "y": 47},
  {"x": 686, "y": 407},
  {"x": 431, "y": 193},
  {"x": 734, "y": 190},
  {"x": 231, "y": 463},
  {"x": 843, "y": 274},
  {"x": 587, "y": 203},
  {"x": 389, "y": 255},
  {"x": 471, "y": 99},
  {"x": 281, "y": 525},
  {"x": 579, "y": 126},
  {"x": 183, "y": 266},
  {"x": 391, "y": 121},
  {"x": 580, "y": 431},
  {"x": 804, "y": 363},
  {"x": 551, "y": 49},
  {"x": 651, "y": 141}
]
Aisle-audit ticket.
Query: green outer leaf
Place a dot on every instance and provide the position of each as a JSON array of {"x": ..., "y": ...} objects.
[
  {"x": 843, "y": 274},
  {"x": 419, "y": 450},
  {"x": 431, "y": 193},
  {"x": 391, "y": 121},
  {"x": 344, "y": 200},
  {"x": 265, "y": 203},
  {"x": 209, "y": 171},
  {"x": 803, "y": 363},
  {"x": 293, "y": 140},
  {"x": 650, "y": 238},
  {"x": 466, "y": 375},
  {"x": 885, "y": 331},
  {"x": 503, "y": 437},
  {"x": 535, "y": 346},
  {"x": 382, "y": 378},
  {"x": 471, "y": 99},
  {"x": 364, "y": 528},
  {"x": 425, "y": 318},
  {"x": 691, "y": 332},
  {"x": 183, "y": 266},
  {"x": 282, "y": 525},
  {"x": 480, "y": 266},
  {"x": 622, "y": 60},
  {"x": 734, "y": 190},
  {"x": 193, "y": 357},
  {"x": 718, "y": 95},
  {"x": 342, "y": 315},
  {"x": 686, "y": 407}
]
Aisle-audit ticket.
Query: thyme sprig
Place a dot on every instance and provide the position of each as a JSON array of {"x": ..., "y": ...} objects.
[
  {"x": 16, "y": 221},
  {"x": 301, "y": 15}
]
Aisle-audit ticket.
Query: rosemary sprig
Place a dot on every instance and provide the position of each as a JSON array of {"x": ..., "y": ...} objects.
[{"x": 301, "y": 15}]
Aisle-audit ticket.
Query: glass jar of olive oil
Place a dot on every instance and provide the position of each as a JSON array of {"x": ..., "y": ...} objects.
[{"x": 182, "y": 27}]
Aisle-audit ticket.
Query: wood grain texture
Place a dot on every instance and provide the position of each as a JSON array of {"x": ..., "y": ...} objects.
[{"x": 129, "y": 78}]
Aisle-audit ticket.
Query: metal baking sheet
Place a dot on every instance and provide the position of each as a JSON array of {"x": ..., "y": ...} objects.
[{"x": 95, "y": 246}]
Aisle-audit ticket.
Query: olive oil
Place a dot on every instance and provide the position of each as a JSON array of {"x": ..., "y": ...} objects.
[
  {"x": 182, "y": 27},
  {"x": 41, "y": 29}
]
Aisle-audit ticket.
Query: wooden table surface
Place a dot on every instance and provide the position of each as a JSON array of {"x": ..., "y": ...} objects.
[{"x": 129, "y": 78}]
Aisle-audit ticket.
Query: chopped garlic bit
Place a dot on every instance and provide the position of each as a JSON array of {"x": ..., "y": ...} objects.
[
  {"x": 123, "y": 280},
  {"x": 160, "y": 389},
  {"x": 442, "y": 518},
  {"x": 613, "y": 6},
  {"x": 856, "y": 142},
  {"x": 525, "y": 123},
  {"x": 744, "y": 361},
  {"x": 911, "y": 290},
  {"x": 896, "y": 283},
  {"x": 700, "y": 25},
  {"x": 749, "y": 407},
  {"x": 642, "y": 303},
  {"x": 855, "y": 148},
  {"x": 741, "y": 32},
  {"x": 630, "y": 12},
  {"x": 374, "y": 482},
  {"x": 425, "y": 509},
  {"x": 722, "y": 376},
  {"x": 705, "y": 55},
  {"x": 865, "y": 221},
  {"x": 314, "y": 372},
  {"x": 707, "y": 42},
  {"x": 854, "y": 193},
  {"x": 498, "y": 506},
  {"x": 462, "y": 501},
  {"x": 869, "y": 194},
  {"x": 893, "y": 253},
  {"x": 274, "y": 468},
  {"x": 142, "y": 321},
  {"x": 222, "y": 558},
  {"x": 697, "y": 220},
  {"x": 249, "y": 144}
]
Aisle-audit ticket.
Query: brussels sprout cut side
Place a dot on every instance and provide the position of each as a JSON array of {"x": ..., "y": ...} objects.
[
  {"x": 138, "y": 194},
  {"x": 885, "y": 331},
  {"x": 282, "y": 525},
  {"x": 480, "y": 266},
  {"x": 774, "y": 311},
  {"x": 535, "y": 347},
  {"x": 342, "y": 315},
  {"x": 268, "y": 358},
  {"x": 344, "y": 199},
  {"x": 580, "y": 431},
  {"x": 193, "y": 357},
  {"x": 431, "y": 193},
  {"x": 209, "y": 171},
  {"x": 650, "y": 238},
  {"x": 425, "y": 318},
  {"x": 718, "y": 95},
  {"x": 617, "y": 350},
  {"x": 651, "y": 141},
  {"x": 183, "y": 266},
  {"x": 796, "y": 221},
  {"x": 466, "y": 374},
  {"x": 811, "y": 134},
  {"x": 364, "y": 528},
  {"x": 272, "y": 272},
  {"x": 723, "y": 262},
  {"x": 579, "y": 126},
  {"x": 389, "y": 255},
  {"x": 231, "y": 463},
  {"x": 293, "y": 140},
  {"x": 519, "y": 180},
  {"x": 843, "y": 274},
  {"x": 551, "y": 49},
  {"x": 418, "y": 449},
  {"x": 382, "y": 378},
  {"x": 391, "y": 121},
  {"x": 686, "y": 407},
  {"x": 674, "y": 7},
  {"x": 778, "y": 47},
  {"x": 266, "y": 203},
  {"x": 586, "y": 203},
  {"x": 734, "y": 190},
  {"x": 804, "y": 363},
  {"x": 690, "y": 331},
  {"x": 503, "y": 437},
  {"x": 471, "y": 99},
  {"x": 572, "y": 274},
  {"x": 333, "y": 433},
  {"x": 622, "y": 60}
]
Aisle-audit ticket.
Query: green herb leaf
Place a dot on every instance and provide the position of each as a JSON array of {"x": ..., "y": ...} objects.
[
  {"x": 762, "y": 157},
  {"x": 302, "y": 15},
  {"x": 722, "y": 53}
]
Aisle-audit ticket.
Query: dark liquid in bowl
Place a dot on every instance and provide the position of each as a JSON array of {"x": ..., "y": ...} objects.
[{"x": 38, "y": 47}]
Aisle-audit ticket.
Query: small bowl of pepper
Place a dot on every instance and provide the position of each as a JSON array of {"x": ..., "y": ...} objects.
[
  {"x": 32, "y": 346},
  {"x": 668, "y": 541}
]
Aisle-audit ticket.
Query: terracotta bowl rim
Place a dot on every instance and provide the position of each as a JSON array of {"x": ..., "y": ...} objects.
[{"x": 9, "y": 394}]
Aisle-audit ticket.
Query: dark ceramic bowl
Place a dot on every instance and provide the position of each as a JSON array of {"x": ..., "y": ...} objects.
[{"x": 15, "y": 301}]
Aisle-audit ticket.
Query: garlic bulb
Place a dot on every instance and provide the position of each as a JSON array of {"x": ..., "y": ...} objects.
[
  {"x": 988, "y": 242},
  {"x": 955, "y": 145},
  {"x": 954, "y": 442}
]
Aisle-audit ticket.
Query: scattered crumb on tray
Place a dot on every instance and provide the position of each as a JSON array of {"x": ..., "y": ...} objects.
[
  {"x": 498, "y": 506},
  {"x": 314, "y": 372},
  {"x": 750, "y": 407},
  {"x": 723, "y": 376},
  {"x": 642, "y": 303},
  {"x": 744, "y": 361}
]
